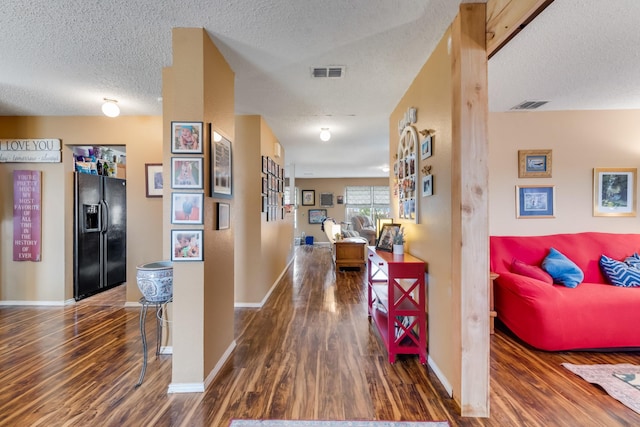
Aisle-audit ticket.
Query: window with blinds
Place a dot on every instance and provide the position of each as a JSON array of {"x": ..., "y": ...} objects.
[{"x": 372, "y": 201}]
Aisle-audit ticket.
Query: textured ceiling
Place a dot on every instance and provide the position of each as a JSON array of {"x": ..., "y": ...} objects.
[
  {"x": 62, "y": 57},
  {"x": 577, "y": 54}
]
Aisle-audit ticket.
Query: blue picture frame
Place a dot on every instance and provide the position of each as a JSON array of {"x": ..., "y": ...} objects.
[{"x": 535, "y": 201}]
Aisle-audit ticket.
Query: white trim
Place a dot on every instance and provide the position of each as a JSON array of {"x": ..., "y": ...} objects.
[
  {"x": 166, "y": 349},
  {"x": 47, "y": 303},
  {"x": 266, "y": 297},
  {"x": 216, "y": 369},
  {"x": 186, "y": 388},
  {"x": 201, "y": 387},
  {"x": 132, "y": 304},
  {"x": 440, "y": 375},
  {"x": 323, "y": 244}
]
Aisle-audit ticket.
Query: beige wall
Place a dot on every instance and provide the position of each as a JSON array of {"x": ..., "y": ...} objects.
[
  {"x": 51, "y": 280},
  {"x": 200, "y": 87},
  {"x": 327, "y": 185},
  {"x": 262, "y": 247},
  {"x": 430, "y": 239},
  {"x": 580, "y": 141}
]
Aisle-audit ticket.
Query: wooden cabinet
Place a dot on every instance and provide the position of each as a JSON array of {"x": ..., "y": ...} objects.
[
  {"x": 396, "y": 300},
  {"x": 349, "y": 254}
]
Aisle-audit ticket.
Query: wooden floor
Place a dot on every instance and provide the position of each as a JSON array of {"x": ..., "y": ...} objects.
[{"x": 309, "y": 353}]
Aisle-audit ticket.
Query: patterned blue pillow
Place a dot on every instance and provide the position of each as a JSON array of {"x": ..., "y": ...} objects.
[
  {"x": 618, "y": 273},
  {"x": 562, "y": 269},
  {"x": 633, "y": 261}
]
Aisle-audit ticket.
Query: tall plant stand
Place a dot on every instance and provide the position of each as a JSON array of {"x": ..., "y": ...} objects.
[{"x": 143, "y": 317}]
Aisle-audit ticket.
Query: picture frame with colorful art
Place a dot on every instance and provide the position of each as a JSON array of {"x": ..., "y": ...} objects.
[
  {"x": 614, "y": 192},
  {"x": 186, "y": 173},
  {"x": 186, "y": 137},
  {"x": 187, "y": 208},
  {"x": 186, "y": 245}
]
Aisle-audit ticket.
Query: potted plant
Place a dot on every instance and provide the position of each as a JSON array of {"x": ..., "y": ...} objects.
[{"x": 398, "y": 241}]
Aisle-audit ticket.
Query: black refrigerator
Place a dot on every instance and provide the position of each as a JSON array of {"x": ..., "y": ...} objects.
[{"x": 100, "y": 234}]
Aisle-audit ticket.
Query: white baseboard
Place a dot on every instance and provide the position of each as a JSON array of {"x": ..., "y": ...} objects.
[
  {"x": 441, "y": 377},
  {"x": 186, "y": 388},
  {"x": 132, "y": 304},
  {"x": 33, "y": 303},
  {"x": 266, "y": 297},
  {"x": 168, "y": 349},
  {"x": 200, "y": 387}
]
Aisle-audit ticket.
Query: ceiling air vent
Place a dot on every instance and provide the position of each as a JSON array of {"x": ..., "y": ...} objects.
[
  {"x": 529, "y": 105},
  {"x": 331, "y": 72}
]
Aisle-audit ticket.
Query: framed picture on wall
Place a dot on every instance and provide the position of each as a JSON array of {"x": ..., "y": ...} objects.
[
  {"x": 223, "y": 221},
  {"x": 187, "y": 208},
  {"x": 614, "y": 191},
  {"x": 221, "y": 173},
  {"x": 153, "y": 179},
  {"x": 316, "y": 216},
  {"x": 535, "y": 201},
  {"x": 308, "y": 197},
  {"x": 186, "y": 172},
  {"x": 186, "y": 137},
  {"x": 186, "y": 245},
  {"x": 534, "y": 163}
]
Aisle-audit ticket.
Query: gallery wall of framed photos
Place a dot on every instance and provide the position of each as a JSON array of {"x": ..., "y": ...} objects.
[
  {"x": 187, "y": 190},
  {"x": 272, "y": 189}
]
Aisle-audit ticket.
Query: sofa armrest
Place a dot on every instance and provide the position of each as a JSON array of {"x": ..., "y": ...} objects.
[{"x": 525, "y": 287}]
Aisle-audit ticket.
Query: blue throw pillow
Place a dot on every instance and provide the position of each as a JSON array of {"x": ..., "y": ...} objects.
[
  {"x": 562, "y": 269},
  {"x": 633, "y": 261},
  {"x": 619, "y": 273}
]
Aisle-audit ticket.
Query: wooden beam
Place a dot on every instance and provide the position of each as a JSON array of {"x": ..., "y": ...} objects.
[{"x": 506, "y": 18}]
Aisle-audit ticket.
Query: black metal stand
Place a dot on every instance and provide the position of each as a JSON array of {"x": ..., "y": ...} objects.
[{"x": 143, "y": 316}]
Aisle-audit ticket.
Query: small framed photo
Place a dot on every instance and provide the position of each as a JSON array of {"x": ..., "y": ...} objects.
[
  {"x": 326, "y": 200},
  {"x": 316, "y": 216},
  {"x": 223, "y": 216},
  {"x": 427, "y": 185},
  {"x": 187, "y": 208},
  {"x": 186, "y": 172},
  {"x": 614, "y": 191},
  {"x": 535, "y": 201},
  {"x": 265, "y": 164},
  {"x": 340, "y": 200},
  {"x": 308, "y": 197},
  {"x": 186, "y": 137},
  {"x": 186, "y": 245},
  {"x": 385, "y": 241},
  {"x": 153, "y": 179},
  {"x": 425, "y": 147},
  {"x": 534, "y": 163},
  {"x": 221, "y": 164}
]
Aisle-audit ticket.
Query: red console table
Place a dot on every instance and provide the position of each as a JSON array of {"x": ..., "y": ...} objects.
[{"x": 396, "y": 298}]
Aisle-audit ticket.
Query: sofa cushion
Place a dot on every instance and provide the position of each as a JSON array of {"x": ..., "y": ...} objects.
[
  {"x": 533, "y": 271},
  {"x": 562, "y": 269},
  {"x": 619, "y": 273}
]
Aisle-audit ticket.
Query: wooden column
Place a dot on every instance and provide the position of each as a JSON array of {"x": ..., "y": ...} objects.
[{"x": 470, "y": 225}]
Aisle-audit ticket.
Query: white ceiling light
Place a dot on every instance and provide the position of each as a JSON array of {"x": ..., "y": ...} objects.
[
  {"x": 325, "y": 135},
  {"x": 110, "y": 108}
]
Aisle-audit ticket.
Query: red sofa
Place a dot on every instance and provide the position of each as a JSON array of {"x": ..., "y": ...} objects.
[{"x": 594, "y": 315}]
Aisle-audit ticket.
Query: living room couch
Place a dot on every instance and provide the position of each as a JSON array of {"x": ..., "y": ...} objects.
[{"x": 593, "y": 315}]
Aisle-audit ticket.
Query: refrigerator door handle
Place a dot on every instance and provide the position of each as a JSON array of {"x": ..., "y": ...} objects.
[{"x": 104, "y": 216}]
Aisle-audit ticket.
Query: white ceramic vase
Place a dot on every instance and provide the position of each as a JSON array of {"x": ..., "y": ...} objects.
[
  {"x": 155, "y": 280},
  {"x": 398, "y": 249}
]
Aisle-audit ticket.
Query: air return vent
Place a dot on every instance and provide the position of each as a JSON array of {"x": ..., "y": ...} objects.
[
  {"x": 529, "y": 105},
  {"x": 334, "y": 72}
]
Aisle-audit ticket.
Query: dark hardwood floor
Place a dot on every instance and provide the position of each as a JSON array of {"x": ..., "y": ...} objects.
[{"x": 309, "y": 353}]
